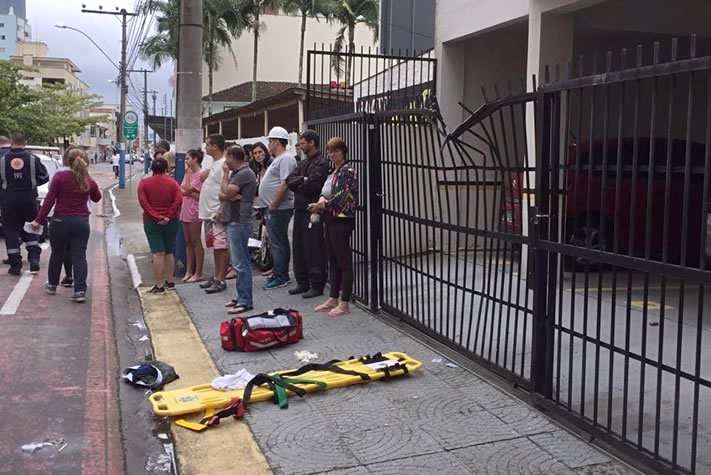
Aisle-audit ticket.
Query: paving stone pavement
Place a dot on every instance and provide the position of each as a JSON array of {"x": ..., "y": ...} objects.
[{"x": 434, "y": 420}]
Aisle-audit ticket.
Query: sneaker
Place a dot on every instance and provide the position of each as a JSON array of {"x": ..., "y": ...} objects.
[
  {"x": 14, "y": 270},
  {"x": 208, "y": 283},
  {"x": 157, "y": 290},
  {"x": 312, "y": 293},
  {"x": 300, "y": 289},
  {"x": 274, "y": 284},
  {"x": 50, "y": 289},
  {"x": 34, "y": 267},
  {"x": 217, "y": 286},
  {"x": 169, "y": 285},
  {"x": 67, "y": 282},
  {"x": 6, "y": 261},
  {"x": 78, "y": 297}
]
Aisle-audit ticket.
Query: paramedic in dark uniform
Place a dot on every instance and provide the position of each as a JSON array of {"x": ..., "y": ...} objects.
[{"x": 20, "y": 175}]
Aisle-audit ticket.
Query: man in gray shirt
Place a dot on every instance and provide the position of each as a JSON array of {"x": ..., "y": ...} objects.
[
  {"x": 275, "y": 195},
  {"x": 239, "y": 185}
]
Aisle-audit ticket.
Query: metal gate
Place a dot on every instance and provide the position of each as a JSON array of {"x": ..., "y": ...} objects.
[{"x": 556, "y": 237}]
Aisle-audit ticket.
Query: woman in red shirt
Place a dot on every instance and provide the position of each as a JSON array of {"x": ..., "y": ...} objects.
[
  {"x": 69, "y": 193},
  {"x": 160, "y": 197}
]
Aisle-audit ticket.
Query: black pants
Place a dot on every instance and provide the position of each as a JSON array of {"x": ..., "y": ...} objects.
[
  {"x": 340, "y": 256},
  {"x": 68, "y": 265},
  {"x": 19, "y": 208},
  {"x": 309, "y": 252},
  {"x": 73, "y": 231}
]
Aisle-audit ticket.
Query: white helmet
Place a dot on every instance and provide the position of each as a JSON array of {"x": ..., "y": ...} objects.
[{"x": 278, "y": 133}]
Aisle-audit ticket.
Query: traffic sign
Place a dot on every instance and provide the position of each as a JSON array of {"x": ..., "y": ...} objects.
[{"x": 130, "y": 125}]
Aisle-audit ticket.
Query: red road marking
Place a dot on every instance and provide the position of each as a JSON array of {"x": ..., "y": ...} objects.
[{"x": 101, "y": 449}]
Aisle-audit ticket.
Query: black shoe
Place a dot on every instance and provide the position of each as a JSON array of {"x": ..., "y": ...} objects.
[
  {"x": 208, "y": 283},
  {"x": 157, "y": 290},
  {"x": 300, "y": 289},
  {"x": 312, "y": 293},
  {"x": 169, "y": 285},
  {"x": 34, "y": 267},
  {"x": 67, "y": 282},
  {"x": 6, "y": 261},
  {"x": 13, "y": 270}
]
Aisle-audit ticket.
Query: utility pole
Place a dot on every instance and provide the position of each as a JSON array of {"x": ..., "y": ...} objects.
[
  {"x": 188, "y": 133},
  {"x": 165, "y": 117},
  {"x": 145, "y": 116},
  {"x": 124, "y": 85},
  {"x": 154, "y": 113}
]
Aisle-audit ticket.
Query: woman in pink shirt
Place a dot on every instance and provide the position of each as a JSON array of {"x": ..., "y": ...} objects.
[
  {"x": 69, "y": 192},
  {"x": 192, "y": 225}
]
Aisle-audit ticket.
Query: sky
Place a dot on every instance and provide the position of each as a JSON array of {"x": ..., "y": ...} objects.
[{"x": 106, "y": 32}]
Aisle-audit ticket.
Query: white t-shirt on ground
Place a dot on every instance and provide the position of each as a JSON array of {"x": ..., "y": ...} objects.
[{"x": 209, "y": 194}]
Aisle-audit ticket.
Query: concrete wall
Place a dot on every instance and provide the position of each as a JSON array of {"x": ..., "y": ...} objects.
[{"x": 278, "y": 59}]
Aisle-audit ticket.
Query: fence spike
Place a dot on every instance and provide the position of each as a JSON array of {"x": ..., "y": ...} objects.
[
  {"x": 608, "y": 62},
  {"x": 623, "y": 59},
  {"x": 569, "y": 68},
  {"x": 557, "y": 72},
  {"x": 496, "y": 91},
  {"x": 547, "y": 74},
  {"x": 639, "y": 56},
  {"x": 655, "y": 55},
  {"x": 594, "y": 64},
  {"x": 533, "y": 80},
  {"x": 483, "y": 93},
  {"x": 581, "y": 66},
  {"x": 692, "y": 46},
  {"x": 675, "y": 45},
  {"x": 509, "y": 91}
]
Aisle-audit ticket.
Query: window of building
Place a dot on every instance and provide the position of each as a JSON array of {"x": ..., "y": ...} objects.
[
  {"x": 92, "y": 132},
  {"x": 2, "y": 37},
  {"x": 2, "y": 25}
]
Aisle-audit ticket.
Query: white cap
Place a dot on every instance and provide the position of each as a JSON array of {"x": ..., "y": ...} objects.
[{"x": 278, "y": 133}]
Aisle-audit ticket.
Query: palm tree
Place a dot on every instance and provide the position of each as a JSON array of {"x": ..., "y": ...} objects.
[
  {"x": 350, "y": 13},
  {"x": 222, "y": 20},
  {"x": 308, "y": 9},
  {"x": 162, "y": 47},
  {"x": 252, "y": 10}
]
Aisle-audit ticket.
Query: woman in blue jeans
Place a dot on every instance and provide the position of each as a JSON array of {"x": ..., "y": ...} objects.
[
  {"x": 239, "y": 186},
  {"x": 69, "y": 193}
]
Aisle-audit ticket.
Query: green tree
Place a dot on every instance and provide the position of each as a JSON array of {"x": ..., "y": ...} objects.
[
  {"x": 350, "y": 13},
  {"x": 308, "y": 9},
  {"x": 223, "y": 21},
  {"x": 45, "y": 114},
  {"x": 162, "y": 47},
  {"x": 252, "y": 10}
]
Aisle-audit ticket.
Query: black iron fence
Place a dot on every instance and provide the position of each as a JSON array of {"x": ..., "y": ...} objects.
[{"x": 557, "y": 237}]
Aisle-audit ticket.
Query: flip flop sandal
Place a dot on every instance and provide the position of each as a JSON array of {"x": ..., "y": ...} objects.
[
  {"x": 324, "y": 308},
  {"x": 240, "y": 309},
  {"x": 231, "y": 303},
  {"x": 337, "y": 312}
]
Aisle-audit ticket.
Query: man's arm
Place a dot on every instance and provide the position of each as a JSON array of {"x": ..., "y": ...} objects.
[
  {"x": 41, "y": 174},
  {"x": 228, "y": 190},
  {"x": 313, "y": 182}
]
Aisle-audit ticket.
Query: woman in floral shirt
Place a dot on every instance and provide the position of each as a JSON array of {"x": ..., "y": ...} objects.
[{"x": 337, "y": 205}]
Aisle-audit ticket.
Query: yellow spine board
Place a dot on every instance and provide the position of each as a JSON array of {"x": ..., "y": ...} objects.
[{"x": 203, "y": 396}]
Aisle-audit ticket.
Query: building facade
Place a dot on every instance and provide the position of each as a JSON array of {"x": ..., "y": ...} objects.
[
  {"x": 13, "y": 29},
  {"x": 406, "y": 26}
]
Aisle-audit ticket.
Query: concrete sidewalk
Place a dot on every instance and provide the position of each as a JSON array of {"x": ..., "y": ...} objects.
[{"x": 440, "y": 418}]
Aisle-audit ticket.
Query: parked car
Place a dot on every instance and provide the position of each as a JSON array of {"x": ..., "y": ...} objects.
[{"x": 591, "y": 216}]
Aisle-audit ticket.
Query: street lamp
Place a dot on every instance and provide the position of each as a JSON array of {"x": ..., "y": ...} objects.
[{"x": 65, "y": 27}]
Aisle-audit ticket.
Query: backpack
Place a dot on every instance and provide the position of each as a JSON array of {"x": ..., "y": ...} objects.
[{"x": 279, "y": 327}]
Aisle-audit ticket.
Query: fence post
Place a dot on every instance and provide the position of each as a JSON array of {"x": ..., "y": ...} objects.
[
  {"x": 539, "y": 216},
  {"x": 375, "y": 207}
]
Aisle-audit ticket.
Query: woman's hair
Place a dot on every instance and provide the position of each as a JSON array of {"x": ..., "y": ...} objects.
[
  {"x": 159, "y": 166},
  {"x": 158, "y": 155},
  {"x": 79, "y": 165},
  {"x": 236, "y": 153},
  {"x": 267, "y": 157},
  {"x": 264, "y": 149},
  {"x": 337, "y": 143},
  {"x": 196, "y": 154},
  {"x": 65, "y": 157}
]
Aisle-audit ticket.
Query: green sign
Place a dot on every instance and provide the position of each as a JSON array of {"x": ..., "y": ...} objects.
[{"x": 130, "y": 125}]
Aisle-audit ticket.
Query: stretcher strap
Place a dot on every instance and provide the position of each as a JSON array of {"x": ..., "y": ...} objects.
[
  {"x": 278, "y": 387},
  {"x": 236, "y": 409},
  {"x": 330, "y": 366}
]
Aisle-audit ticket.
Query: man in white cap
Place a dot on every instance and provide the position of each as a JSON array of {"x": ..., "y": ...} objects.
[{"x": 275, "y": 195}]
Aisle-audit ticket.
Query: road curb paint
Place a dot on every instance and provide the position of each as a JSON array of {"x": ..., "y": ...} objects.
[{"x": 176, "y": 341}]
